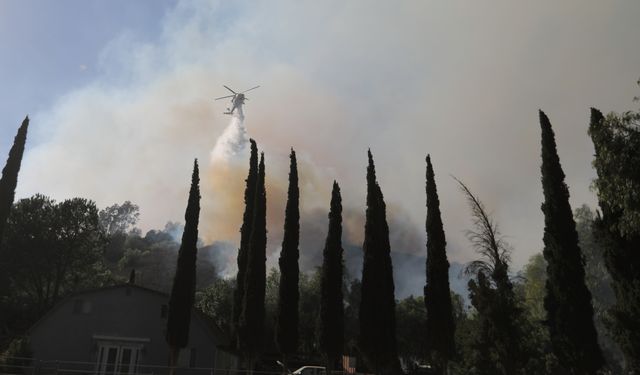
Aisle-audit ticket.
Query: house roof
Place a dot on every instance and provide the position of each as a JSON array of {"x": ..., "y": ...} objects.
[{"x": 214, "y": 331}]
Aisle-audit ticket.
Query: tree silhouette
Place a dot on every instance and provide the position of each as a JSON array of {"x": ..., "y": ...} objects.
[
  {"x": 287, "y": 316},
  {"x": 331, "y": 298},
  {"x": 245, "y": 235},
  {"x": 568, "y": 301},
  {"x": 437, "y": 295},
  {"x": 377, "y": 308},
  {"x": 184, "y": 281},
  {"x": 9, "y": 178},
  {"x": 251, "y": 330}
]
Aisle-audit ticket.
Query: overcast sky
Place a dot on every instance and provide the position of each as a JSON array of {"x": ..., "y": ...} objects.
[{"x": 120, "y": 92}]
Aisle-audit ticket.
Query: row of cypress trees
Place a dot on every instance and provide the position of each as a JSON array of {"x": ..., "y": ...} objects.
[
  {"x": 567, "y": 302},
  {"x": 378, "y": 305},
  {"x": 377, "y": 341}
]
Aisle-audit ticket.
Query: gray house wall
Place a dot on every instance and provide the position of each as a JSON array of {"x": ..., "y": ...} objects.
[{"x": 76, "y": 328}]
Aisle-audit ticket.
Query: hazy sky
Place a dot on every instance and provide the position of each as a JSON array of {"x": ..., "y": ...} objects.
[{"x": 120, "y": 92}]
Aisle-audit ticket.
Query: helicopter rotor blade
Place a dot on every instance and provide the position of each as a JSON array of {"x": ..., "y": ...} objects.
[
  {"x": 226, "y": 87},
  {"x": 224, "y": 97},
  {"x": 253, "y": 88}
]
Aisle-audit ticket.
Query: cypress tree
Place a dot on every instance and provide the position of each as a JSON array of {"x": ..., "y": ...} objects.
[
  {"x": 377, "y": 308},
  {"x": 616, "y": 140},
  {"x": 184, "y": 282},
  {"x": 10, "y": 171},
  {"x": 568, "y": 301},
  {"x": 437, "y": 295},
  {"x": 245, "y": 234},
  {"x": 331, "y": 306},
  {"x": 287, "y": 317},
  {"x": 252, "y": 316}
]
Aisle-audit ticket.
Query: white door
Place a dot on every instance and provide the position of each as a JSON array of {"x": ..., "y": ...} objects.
[
  {"x": 116, "y": 359},
  {"x": 127, "y": 360}
]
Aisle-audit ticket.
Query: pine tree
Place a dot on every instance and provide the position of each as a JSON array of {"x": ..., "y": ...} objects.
[
  {"x": 377, "y": 308},
  {"x": 184, "y": 282},
  {"x": 245, "y": 234},
  {"x": 251, "y": 330},
  {"x": 568, "y": 301},
  {"x": 616, "y": 140},
  {"x": 437, "y": 295},
  {"x": 287, "y": 317},
  {"x": 10, "y": 171},
  {"x": 331, "y": 305}
]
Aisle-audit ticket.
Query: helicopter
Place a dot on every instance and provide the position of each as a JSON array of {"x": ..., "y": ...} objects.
[{"x": 237, "y": 99}]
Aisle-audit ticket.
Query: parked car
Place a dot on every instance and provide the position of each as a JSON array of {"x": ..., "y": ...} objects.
[{"x": 309, "y": 370}]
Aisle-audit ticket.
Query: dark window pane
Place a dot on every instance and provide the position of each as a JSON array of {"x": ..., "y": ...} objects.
[
  {"x": 192, "y": 358},
  {"x": 125, "y": 360},
  {"x": 111, "y": 360}
]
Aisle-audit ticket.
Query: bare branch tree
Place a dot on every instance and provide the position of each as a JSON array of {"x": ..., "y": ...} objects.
[{"x": 486, "y": 238}]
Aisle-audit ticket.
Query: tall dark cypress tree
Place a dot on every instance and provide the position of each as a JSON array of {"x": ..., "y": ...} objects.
[
  {"x": 252, "y": 316},
  {"x": 377, "y": 308},
  {"x": 568, "y": 301},
  {"x": 331, "y": 306},
  {"x": 437, "y": 295},
  {"x": 10, "y": 171},
  {"x": 616, "y": 140},
  {"x": 184, "y": 282},
  {"x": 245, "y": 234},
  {"x": 287, "y": 317}
]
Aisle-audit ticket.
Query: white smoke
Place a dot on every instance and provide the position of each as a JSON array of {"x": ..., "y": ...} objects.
[{"x": 233, "y": 144}]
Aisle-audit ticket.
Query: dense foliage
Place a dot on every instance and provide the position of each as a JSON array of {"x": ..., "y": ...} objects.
[
  {"x": 616, "y": 140},
  {"x": 57, "y": 247}
]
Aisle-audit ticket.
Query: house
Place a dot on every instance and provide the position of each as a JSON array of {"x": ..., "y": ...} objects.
[{"x": 120, "y": 330}]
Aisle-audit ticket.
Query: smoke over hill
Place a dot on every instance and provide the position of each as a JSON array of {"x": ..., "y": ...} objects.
[{"x": 224, "y": 202}]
